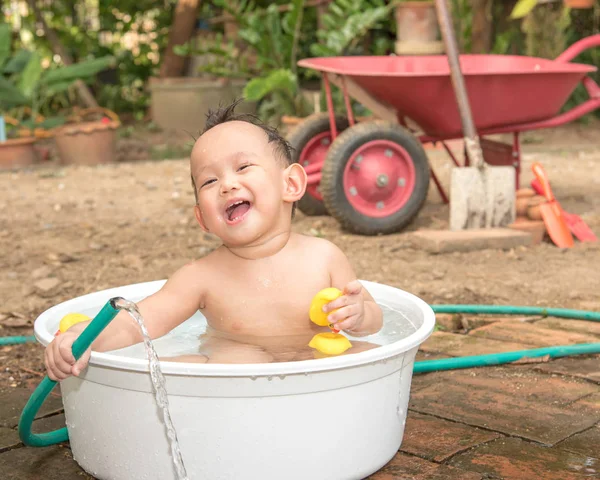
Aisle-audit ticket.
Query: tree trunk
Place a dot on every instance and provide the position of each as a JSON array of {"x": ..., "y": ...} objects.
[
  {"x": 182, "y": 28},
  {"x": 82, "y": 90},
  {"x": 481, "y": 33}
]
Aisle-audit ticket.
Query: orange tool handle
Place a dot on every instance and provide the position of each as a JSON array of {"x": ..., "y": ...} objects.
[{"x": 540, "y": 174}]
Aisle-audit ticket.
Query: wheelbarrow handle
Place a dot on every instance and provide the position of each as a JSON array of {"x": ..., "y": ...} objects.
[
  {"x": 578, "y": 47},
  {"x": 80, "y": 345}
]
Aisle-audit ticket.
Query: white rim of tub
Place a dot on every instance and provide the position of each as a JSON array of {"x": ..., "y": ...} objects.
[{"x": 44, "y": 336}]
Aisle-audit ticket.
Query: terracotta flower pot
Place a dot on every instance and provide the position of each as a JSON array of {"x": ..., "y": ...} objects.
[
  {"x": 417, "y": 29},
  {"x": 18, "y": 152},
  {"x": 533, "y": 207},
  {"x": 88, "y": 143}
]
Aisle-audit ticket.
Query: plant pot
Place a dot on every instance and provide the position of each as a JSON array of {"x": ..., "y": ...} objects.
[
  {"x": 182, "y": 103},
  {"x": 536, "y": 228},
  {"x": 417, "y": 29},
  {"x": 87, "y": 143},
  {"x": 18, "y": 152},
  {"x": 579, "y": 3}
]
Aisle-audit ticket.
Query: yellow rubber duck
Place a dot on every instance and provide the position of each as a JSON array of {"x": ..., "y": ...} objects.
[
  {"x": 326, "y": 343},
  {"x": 69, "y": 320}
]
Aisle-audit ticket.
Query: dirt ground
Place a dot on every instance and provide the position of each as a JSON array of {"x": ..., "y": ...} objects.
[{"x": 67, "y": 231}]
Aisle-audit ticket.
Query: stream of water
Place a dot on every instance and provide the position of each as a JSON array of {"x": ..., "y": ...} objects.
[{"x": 158, "y": 381}]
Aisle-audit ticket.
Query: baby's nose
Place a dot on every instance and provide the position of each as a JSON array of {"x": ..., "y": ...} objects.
[{"x": 229, "y": 184}]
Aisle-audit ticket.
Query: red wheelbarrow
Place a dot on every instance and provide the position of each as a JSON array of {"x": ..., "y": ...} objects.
[{"x": 373, "y": 176}]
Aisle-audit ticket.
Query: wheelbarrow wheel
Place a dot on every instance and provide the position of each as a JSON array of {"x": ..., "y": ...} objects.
[
  {"x": 311, "y": 140},
  {"x": 375, "y": 178}
]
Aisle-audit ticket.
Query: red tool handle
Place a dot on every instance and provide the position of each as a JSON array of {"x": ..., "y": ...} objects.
[{"x": 540, "y": 174}]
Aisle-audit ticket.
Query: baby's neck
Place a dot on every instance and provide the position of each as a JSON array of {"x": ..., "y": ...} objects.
[{"x": 262, "y": 248}]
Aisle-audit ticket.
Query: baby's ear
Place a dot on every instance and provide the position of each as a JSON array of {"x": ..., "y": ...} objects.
[
  {"x": 200, "y": 218},
  {"x": 294, "y": 183}
]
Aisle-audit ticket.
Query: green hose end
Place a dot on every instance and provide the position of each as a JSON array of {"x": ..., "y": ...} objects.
[
  {"x": 17, "y": 340},
  {"x": 80, "y": 345}
]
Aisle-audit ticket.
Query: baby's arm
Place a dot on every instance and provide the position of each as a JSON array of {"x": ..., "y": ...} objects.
[
  {"x": 179, "y": 298},
  {"x": 358, "y": 312}
]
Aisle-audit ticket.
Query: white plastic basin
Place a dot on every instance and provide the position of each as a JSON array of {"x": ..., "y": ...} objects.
[{"x": 331, "y": 419}]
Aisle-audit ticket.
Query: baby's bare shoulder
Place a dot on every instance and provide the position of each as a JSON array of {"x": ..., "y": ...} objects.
[
  {"x": 197, "y": 269},
  {"x": 317, "y": 246}
]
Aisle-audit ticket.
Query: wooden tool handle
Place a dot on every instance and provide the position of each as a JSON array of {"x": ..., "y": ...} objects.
[{"x": 460, "y": 90}]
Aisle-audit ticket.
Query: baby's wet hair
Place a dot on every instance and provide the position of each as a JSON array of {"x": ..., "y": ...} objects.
[{"x": 281, "y": 147}]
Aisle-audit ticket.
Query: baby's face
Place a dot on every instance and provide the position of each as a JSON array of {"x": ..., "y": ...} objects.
[{"x": 239, "y": 181}]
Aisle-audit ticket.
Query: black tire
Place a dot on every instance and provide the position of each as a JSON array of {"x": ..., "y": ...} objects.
[
  {"x": 332, "y": 185},
  {"x": 299, "y": 138}
]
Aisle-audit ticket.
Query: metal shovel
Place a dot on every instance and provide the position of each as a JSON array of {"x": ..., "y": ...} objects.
[{"x": 481, "y": 196}]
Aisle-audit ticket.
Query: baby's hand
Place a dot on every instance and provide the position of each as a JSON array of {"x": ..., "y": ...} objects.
[
  {"x": 351, "y": 307},
  {"x": 59, "y": 359}
]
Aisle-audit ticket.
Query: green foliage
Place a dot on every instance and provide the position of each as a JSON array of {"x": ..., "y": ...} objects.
[
  {"x": 25, "y": 82},
  {"x": 97, "y": 29},
  {"x": 584, "y": 23},
  {"x": 523, "y": 8},
  {"x": 278, "y": 80},
  {"x": 85, "y": 69},
  {"x": 17, "y": 62},
  {"x": 462, "y": 14},
  {"x": 30, "y": 77},
  {"x": 268, "y": 58},
  {"x": 546, "y": 30},
  {"x": 10, "y": 95},
  {"x": 346, "y": 23},
  {"x": 5, "y": 42},
  {"x": 271, "y": 42}
]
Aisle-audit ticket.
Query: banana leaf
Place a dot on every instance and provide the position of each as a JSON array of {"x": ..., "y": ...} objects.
[
  {"x": 30, "y": 77},
  {"x": 18, "y": 61},
  {"x": 5, "y": 42},
  {"x": 10, "y": 95},
  {"x": 79, "y": 71}
]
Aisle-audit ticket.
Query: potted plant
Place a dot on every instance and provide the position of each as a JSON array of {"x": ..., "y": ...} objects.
[
  {"x": 417, "y": 28},
  {"x": 27, "y": 89},
  {"x": 88, "y": 137}
]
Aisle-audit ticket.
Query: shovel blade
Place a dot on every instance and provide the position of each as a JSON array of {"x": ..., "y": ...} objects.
[
  {"x": 555, "y": 225},
  {"x": 579, "y": 228},
  {"x": 482, "y": 198}
]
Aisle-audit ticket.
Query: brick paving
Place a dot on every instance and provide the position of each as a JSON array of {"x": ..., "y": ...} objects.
[{"x": 514, "y": 422}]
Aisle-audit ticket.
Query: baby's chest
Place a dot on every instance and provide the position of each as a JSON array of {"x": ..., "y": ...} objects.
[{"x": 250, "y": 301}]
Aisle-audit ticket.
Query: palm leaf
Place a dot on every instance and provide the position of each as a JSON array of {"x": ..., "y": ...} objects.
[
  {"x": 30, "y": 76},
  {"x": 79, "y": 71}
]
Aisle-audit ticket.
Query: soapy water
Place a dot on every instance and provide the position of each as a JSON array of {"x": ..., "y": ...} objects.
[
  {"x": 184, "y": 339},
  {"x": 158, "y": 381}
]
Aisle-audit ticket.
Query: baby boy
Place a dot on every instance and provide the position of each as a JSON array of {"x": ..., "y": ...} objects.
[{"x": 256, "y": 288}]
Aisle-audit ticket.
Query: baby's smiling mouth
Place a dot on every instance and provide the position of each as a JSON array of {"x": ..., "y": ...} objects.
[{"x": 237, "y": 210}]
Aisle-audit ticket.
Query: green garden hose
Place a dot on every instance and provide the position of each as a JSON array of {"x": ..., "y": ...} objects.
[
  {"x": 16, "y": 340},
  {"x": 110, "y": 310},
  {"x": 99, "y": 323},
  {"x": 510, "y": 357}
]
